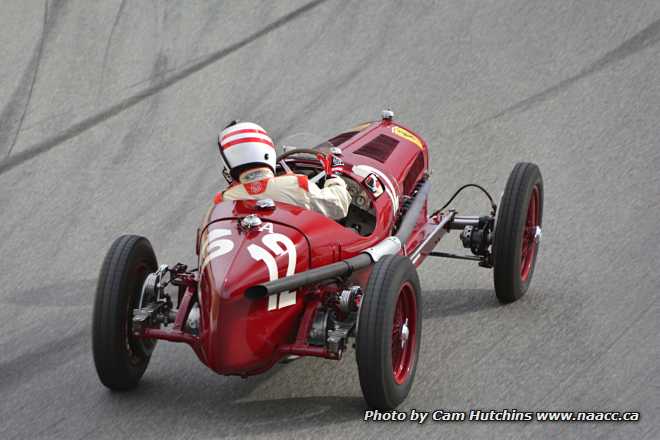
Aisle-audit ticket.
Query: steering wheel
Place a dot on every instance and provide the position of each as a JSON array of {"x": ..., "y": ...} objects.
[{"x": 320, "y": 156}]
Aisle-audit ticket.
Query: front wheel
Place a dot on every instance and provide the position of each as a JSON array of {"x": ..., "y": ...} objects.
[
  {"x": 120, "y": 358},
  {"x": 518, "y": 232},
  {"x": 389, "y": 332}
]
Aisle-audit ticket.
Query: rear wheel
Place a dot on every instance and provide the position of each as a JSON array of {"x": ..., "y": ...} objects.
[
  {"x": 518, "y": 232},
  {"x": 120, "y": 358},
  {"x": 389, "y": 332}
]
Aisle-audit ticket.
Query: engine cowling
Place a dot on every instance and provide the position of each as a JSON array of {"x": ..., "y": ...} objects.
[{"x": 238, "y": 335}]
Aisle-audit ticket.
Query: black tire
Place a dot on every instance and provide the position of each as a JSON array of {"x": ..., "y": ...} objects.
[
  {"x": 391, "y": 276},
  {"x": 119, "y": 358},
  {"x": 512, "y": 269}
]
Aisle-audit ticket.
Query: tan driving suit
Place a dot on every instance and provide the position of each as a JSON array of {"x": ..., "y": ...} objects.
[{"x": 333, "y": 200}]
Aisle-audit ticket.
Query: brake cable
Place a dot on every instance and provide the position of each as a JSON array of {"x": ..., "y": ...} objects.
[{"x": 474, "y": 185}]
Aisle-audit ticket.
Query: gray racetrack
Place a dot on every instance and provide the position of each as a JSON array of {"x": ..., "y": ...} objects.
[{"x": 109, "y": 115}]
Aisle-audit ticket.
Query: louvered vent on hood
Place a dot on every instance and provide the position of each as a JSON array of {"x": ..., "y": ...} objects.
[
  {"x": 378, "y": 149},
  {"x": 341, "y": 138}
]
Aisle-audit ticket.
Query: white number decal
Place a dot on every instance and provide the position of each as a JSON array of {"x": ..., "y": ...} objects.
[
  {"x": 266, "y": 227},
  {"x": 217, "y": 246},
  {"x": 259, "y": 253},
  {"x": 273, "y": 242},
  {"x": 277, "y": 244}
]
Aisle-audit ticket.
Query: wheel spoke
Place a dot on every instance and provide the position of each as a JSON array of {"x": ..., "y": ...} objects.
[
  {"x": 403, "y": 334},
  {"x": 528, "y": 247}
]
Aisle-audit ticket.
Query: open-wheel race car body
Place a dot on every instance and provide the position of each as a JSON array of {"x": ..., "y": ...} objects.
[
  {"x": 265, "y": 329},
  {"x": 275, "y": 281}
]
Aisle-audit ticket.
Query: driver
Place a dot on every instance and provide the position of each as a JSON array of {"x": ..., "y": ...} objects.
[{"x": 248, "y": 155}]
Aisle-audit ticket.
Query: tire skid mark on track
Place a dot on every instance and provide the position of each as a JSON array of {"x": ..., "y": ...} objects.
[
  {"x": 647, "y": 37},
  {"x": 52, "y": 354},
  {"x": 98, "y": 118},
  {"x": 106, "y": 52},
  {"x": 142, "y": 127},
  {"x": 20, "y": 99}
]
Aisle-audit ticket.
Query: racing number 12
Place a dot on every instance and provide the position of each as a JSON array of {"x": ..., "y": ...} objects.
[
  {"x": 220, "y": 243},
  {"x": 274, "y": 243}
]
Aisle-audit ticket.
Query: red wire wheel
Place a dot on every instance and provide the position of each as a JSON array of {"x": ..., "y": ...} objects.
[
  {"x": 528, "y": 248},
  {"x": 518, "y": 232},
  {"x": 404, "y": 331},
  {"x": 389, "y": 332}
]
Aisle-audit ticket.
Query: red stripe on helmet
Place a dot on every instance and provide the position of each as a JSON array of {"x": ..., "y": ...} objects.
[
  {"x": 245, "y": 140},
  {"x": 245, "y": 130}
]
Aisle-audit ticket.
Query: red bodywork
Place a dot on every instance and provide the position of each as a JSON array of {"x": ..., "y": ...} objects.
[{"x": 242, "y": 336}]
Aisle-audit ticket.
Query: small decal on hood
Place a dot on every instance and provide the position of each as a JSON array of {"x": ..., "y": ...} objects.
[{"x": 402, "y": 132}]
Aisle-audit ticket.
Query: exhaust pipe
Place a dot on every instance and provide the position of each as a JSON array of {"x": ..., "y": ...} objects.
[
  {"x": 298, "y": 280},
  {"x": 390, "y": 246}
]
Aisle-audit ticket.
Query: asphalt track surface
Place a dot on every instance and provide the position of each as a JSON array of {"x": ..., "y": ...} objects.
[{"x": 108, "y": 117}]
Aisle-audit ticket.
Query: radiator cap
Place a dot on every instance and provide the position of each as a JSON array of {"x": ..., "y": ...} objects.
[{"x": 387, "y": 114}]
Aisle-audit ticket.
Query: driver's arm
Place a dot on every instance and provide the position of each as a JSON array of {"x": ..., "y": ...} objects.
[{"x": 333, "y": 200}]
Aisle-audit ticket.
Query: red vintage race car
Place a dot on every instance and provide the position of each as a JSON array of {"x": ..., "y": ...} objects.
[{"x": 275, "y": 281}]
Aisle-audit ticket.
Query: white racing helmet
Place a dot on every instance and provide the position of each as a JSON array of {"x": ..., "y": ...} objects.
[{"x": 245, "y": 145}]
